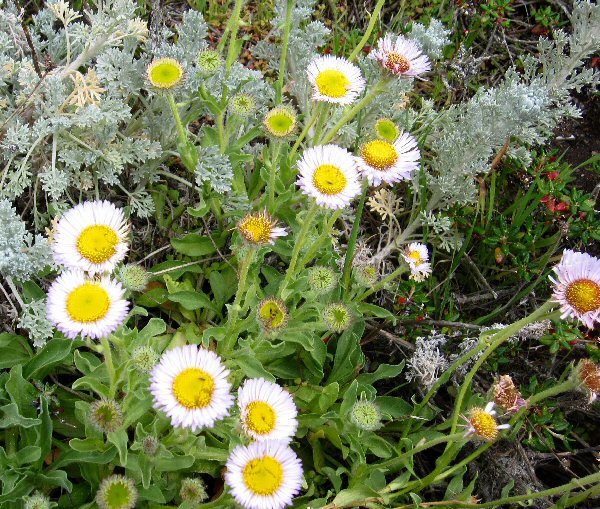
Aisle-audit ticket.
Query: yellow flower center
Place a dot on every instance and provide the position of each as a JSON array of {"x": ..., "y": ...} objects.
[
  {"x": 332, "y": 83},
  {"x": 280, "y": 123},
  {"x": 329, "y": 179},
  {"x": 379, "y": 154},
  {"x": 584, "y": 295},
  {"x": 193, "y": 388},
  {"x": 256, "y": 228},
  {"x": 88, "y": 303},
  {"x": 484, "y": 424},
  {"x": 261, "y": 417},
  {"x": 165, "y": 73},
  {"x": 97, "y": 243},
  {"x": 263, "y": 476},
  {"x": 272, "y": 313},
  {"x": 414, "y": 255},
  {"x": 396, "y": 62}
]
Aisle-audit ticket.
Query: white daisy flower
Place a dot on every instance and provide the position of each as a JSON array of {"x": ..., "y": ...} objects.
[
  {"x": 335, "y": 80},
  {"x": 267, "y": 411},
  {"x": 264, "y": 475},
  {"x": 328, "y": 174},
  {"x": 577, "y": 287},
  {"x": 417, "y": 257},
  {"x": 404, "y": 57},
  {"x": 79, "y": 305},
  {"x": 482, "y": 422},
  {"x": 190, "y": 385},
  {"x": 382, "y": 161},
  {"x": 92, "y": 236},
  {"x": 260, "y": 228}
]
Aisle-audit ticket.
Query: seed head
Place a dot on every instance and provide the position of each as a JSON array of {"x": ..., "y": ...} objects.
[
  {"x": 36, "y": 501},
  {"x": 507, "y": 396}
]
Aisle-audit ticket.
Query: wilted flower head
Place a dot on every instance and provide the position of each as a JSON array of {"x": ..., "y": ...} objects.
[
  {"x": 587, "y": 376},
  {"x": 149, "y": 445},
  {"x": 260, "y": 228},
  {"x": 165, "y": 73},
  {"x": 577, "y": 287},
  {"x": 272, "y": 314},
  {"x": 386, "y": 129},
  {"x": 193, "y": 490},
  {"x": 507, "y": 396},
  {"x": 280, "y": 122},
  {"x": 209, "y": 61},
  {"x": 403, "y": 57},
  {"x": 322, "y": 279},
  {"x": 106, "y": 415},
  {"x": 482, "y": 422},
  {"x": 337, "y": 316},
  {"x": 116, "y": 492},
  {"x": 366, "y": 415}
]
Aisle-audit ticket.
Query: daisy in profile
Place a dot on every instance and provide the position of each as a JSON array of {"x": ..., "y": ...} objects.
[
  {"x": 328, "y": 174},
  {"x": 92, "y": 236},
  {"x": 267, "y": 411},
  {"x": 165, "y": 73},
  {"x": 335, "y": 80},
  {"x": 482, "y": 422},
  {"x": 384, "y": 161},
  {"x": 77, "y": 305},
  {"x": 190, "y": 385},
  {"x": 260, "y": 228},
  {"x": 577, "y": 287},
  {"x": 417, "y": 257},
  {"x": 404, "y": 57},
  {"x": 264, "y": 475}
]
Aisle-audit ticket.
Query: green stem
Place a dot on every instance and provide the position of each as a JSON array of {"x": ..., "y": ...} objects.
[
  {"x": 286, "y": 40},
  {"x": 325, "y": 234},
  {"x": 308, "y": 220},
  {"x": 398, "y": 272},
  {"x": 354, "y": 235},
  {"x": 304, "y": 132},
  {"x": 321, "y": 121},
  {"x": 355, "y": 110},
  {"x": 234, "y": 23},
  {"x": 496, "y": 340},
  {"x": 110, "y": 367},
  {"x": 396, "y": 463},
  {"x": 272, "y": 175},
  {"x": 220, "y": 121},
  {"x": 230, "y": 332},
  {"x": 370, "y": 27},
  {"x": 181, "y": 130}
]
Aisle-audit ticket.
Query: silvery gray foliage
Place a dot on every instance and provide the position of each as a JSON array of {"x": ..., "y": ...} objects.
[
  {"x": 21, "y": 254},
  {"x": 428, "y": 360},
  {"x": 33, "y": 320},
  {"x": 445, "y": 236},
  {"x": 214, "y": 168},
  {"x": 526, "y": 107},
  {"x": 432, "y": 39}
]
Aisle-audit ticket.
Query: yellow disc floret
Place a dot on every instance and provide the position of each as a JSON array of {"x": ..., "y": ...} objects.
[
  {"x": 379, "y": 154},
  {"x": 256, "y": 228},
  {"x": 263, "y": 476},
  {"x": 329, "y": 179},
  {"x": 416, "y": 256},
  {"x": 583, "y": 295},
  {"x": 272, "y": 313},
  {"x": 88, "y": 303},
  {"x": 261, "y": 417},
  {"x": 165, "y": 73},
  {"x": 193, "y": 388},
  {"x": 483, "y": 424},
  {"x": 97, "y": 243},
  {"x": 332, "y": 83}
]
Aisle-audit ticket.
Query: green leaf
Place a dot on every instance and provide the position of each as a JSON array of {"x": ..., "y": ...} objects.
[
  {"x": 329, "y": 396},
  {"x": 52, "y": 354},
  {"x": 152, "y": 493},
  {"x": 10, "y": 417},
  {"x": 373, "y": 310},
  {"x": 383, "y": 371},
  {"x": 28, "y": 454},
  {"x": 154, "y": 327},
  {"x": 96, "y": 457},
  {"x": 54, "y": 478},
  {"x": 348, "y": 354},
  {"x": 251, "y": 366},
  {"x": 356, "y": 494},
  {"x": 119, "y": 440},
  {"x": 194, "y": 245},
  {"x": 173, "y": 463},
  {"x": 14, "y": 350},
  {"x": 394, "y": 407},
  {"x": 192, "y": 300}
]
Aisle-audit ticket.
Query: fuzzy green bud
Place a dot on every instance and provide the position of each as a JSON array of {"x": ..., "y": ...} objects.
[
  {"x": 36, "y": 501},
  {"x": 144, "y": 358},
  {"x": 149, "y": 445},
  {"x": 322, "y": 279},
  {"x": 337, "y": 317},
  {"x": 386, "y": 129},
  {"x": 242, "y": 104},
  {"x": 365, "y": 275},
  {"x": 116, "y": 492},
  {"x": 366, "y": 415},
  {"x": 134, "y": 277},
  {"x": 209, "y": 62},
  {"x": 106, "y": 415},
  {"x": 193, "y": 490}
]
